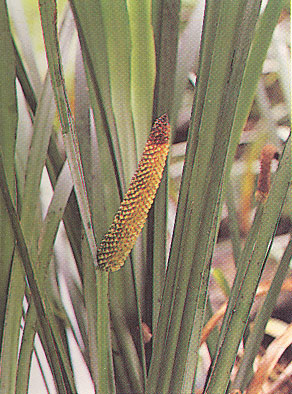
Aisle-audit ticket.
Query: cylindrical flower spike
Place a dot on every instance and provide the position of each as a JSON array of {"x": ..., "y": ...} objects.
[
  {"x": 269, "y": 152},
  {"x": 132, "y": 214}
]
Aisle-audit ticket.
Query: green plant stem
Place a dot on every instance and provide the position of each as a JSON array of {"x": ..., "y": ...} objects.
[
  {"x": 235, "y": 319},
  {"x": 219, "y": 83},
  {"x": 48, "y": 16},
  {"x": 255, "y": 338},
  {"x": 55, "y": 360}
]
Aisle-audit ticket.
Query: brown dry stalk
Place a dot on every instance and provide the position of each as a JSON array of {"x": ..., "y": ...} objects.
[
  {"x": 262, "y": 290},
  {"x": 269, "y": 360}
]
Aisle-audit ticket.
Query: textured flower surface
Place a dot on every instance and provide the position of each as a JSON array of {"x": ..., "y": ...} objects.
[
  {"x": 132, "y": 214},
  {"x": 269, "y": 152}
]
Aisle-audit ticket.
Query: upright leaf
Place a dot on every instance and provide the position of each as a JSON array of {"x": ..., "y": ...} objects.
[{"x": 8, "y": 124}]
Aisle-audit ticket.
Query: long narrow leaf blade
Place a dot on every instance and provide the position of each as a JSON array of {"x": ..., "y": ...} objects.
[
  {"x": 55, "y": 360},
  {"x": 197, "y": 220},
  {"x": 48, "y": 15},
  {"x": 220, "y": 374},
  {"x": 8, "y": 124}
]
